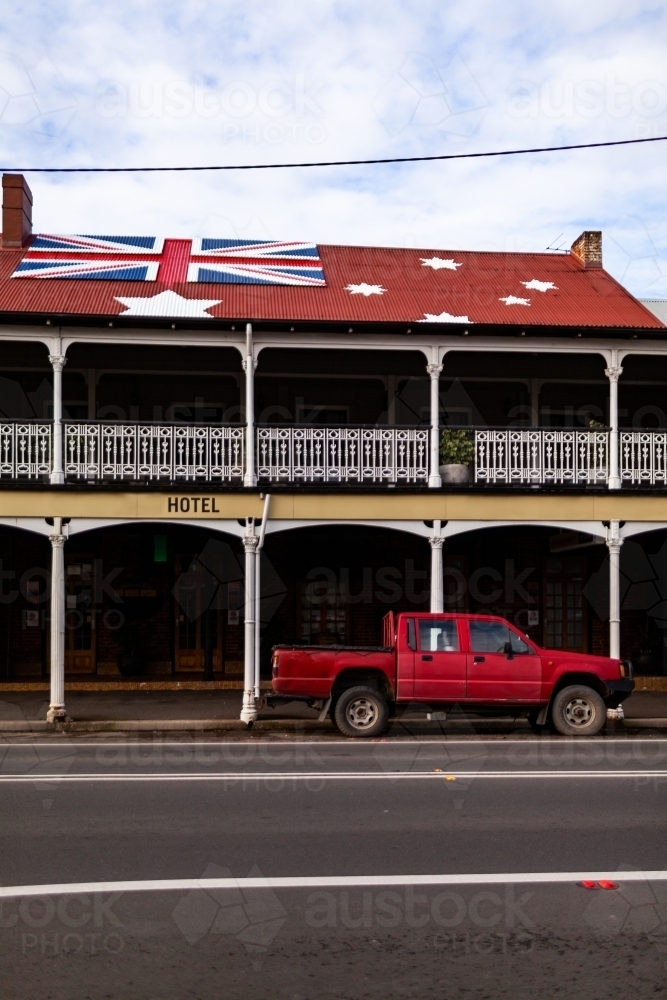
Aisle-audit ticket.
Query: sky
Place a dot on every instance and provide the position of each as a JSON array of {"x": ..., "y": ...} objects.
[{"x": 127, "y": 83}]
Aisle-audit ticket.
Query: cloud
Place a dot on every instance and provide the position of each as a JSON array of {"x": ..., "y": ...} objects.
[{"x": 121, "y": 83}]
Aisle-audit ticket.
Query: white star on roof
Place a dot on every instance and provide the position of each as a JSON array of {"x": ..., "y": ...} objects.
[
  {"x": 364, "y": 289},
  {"x": 167, "y": 303},
  {"x": 539, "y": 286},
  {"x": 444, "y": 317},
  {"x": 512, "y": 300},
  {"x": 440, "y": 263}
]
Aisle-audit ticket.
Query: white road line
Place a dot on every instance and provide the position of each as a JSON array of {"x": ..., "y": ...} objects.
[
  {"x": 326, "y": 881},
  {"x": 249, "y": 776},
  {"x": 322, "y": 744}
]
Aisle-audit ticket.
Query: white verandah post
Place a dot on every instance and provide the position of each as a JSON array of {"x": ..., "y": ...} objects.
[
  {"x": 250, "y": 543},
  {"x": 434, "y": 370},
  {"x": 58, "y": 362},
  {"x": 437, "y": 583},
  {"x": 258, "y": 594},
  {"x": 56, "y": 710},
  {"x": 614, "y": 542},
  {"x": 613, "y": 373},
  {"x": 249, "y": 365}
]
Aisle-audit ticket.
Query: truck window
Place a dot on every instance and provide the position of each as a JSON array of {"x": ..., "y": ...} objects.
[
  {"x": 490, "y": 637},
  {"x": 439, "y": 635}
]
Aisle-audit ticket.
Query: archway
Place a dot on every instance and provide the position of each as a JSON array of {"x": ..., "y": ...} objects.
[{"x": 153, "y": 599}]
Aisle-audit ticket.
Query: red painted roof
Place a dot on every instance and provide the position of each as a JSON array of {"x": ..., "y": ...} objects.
[{"x": 472, "y": 292}]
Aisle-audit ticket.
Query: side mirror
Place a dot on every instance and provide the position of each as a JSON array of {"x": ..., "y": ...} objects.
[{"x": 507, "y": 650}]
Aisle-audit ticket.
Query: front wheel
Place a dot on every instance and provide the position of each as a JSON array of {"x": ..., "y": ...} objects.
[
  {"x": 361, "y": 711},
  {"x": 578, "y": 711}
]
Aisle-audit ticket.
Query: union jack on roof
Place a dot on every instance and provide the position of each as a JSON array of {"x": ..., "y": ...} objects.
[
  {"x": 215, "y": 273},
  {"x": 91, "y": 270},
  {"x": 147, "y": 258},
  {"x": 97, "y": 244},
  {"x": 205, "y": 246},
  {"x": 255, "y": 262}
]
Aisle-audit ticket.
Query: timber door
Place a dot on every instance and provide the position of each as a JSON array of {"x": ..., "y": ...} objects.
[
  {"x": 197, "y": 624},
  {"x": 564, "y": 605},
  {"x": 79, "y": 616}
]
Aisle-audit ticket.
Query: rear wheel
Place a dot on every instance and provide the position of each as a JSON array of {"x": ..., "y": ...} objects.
[
  {"x": 578, "y": 711},
  {"x": 361, "y": 711}
]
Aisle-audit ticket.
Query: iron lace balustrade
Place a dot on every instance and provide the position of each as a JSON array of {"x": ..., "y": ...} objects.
[
  {"x": 204, "y": 452},
  {"x": 342, "y": 454},
  {"x": 541, "y": 457},
  {"x": 643, "y": 457},
  {"x": 25, "y": 449}
]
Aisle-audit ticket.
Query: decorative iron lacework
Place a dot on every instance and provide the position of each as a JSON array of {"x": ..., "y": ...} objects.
[
  {"x": 541, "y": 456},
  {"x": 208, "y": 453},
  {"x": 342, "y": 454}
]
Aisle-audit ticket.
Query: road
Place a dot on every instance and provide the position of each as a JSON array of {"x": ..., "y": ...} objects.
[{"x": 440, "y": 867}]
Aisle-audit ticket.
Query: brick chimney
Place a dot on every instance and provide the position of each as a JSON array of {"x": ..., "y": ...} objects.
[
  {"x": 16, "y": 210},
  {"x": 588, "y": 248}
]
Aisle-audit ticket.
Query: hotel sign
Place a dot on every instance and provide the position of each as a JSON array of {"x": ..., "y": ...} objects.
[{"x": 192, "y": 505}]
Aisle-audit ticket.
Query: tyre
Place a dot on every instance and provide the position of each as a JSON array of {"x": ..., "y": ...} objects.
[
  {"x": 361, "y": 711},
  {"x": 578, "y": 711}
]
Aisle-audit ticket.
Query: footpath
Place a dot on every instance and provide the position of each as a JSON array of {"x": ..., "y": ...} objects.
[{"x": 217, "y": 711}]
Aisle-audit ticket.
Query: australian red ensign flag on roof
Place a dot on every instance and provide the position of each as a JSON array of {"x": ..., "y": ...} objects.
[{"x": 203, "y": 260}]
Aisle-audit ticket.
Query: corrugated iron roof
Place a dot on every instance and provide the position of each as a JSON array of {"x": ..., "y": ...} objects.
[{"x": 366, "y": 285}]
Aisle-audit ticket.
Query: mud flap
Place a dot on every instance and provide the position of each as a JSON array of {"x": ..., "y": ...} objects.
[{"x": 325, "y": 710}]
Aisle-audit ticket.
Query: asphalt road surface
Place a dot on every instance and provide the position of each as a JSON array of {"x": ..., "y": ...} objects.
[{"x": 296, "y": 870}]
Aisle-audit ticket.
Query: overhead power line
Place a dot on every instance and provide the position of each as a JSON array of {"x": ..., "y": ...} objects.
[{"x": 330, "y": 163}]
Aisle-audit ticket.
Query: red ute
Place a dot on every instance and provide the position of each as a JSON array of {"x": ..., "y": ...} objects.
[{"x": 438, "y": 660}]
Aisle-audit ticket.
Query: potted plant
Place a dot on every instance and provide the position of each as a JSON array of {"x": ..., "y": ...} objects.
[{"x": 456, "y": 453}]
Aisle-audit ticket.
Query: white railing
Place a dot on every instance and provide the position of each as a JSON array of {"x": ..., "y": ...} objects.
[
  {"x": 25, "y": 449},
  {"x": 214, "y": 453},
  {"x": 342, "y": 454},
  {"x": 541, "y": 456},
  {"x": 643, "y": 457},
  {"x": 153, "y": 451}
]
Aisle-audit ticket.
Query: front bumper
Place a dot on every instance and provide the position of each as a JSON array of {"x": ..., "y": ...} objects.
[{"x": 619, "y": 690}]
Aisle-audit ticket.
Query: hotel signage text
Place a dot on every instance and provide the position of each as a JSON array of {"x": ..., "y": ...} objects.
[{"x": 192, "y": 505}]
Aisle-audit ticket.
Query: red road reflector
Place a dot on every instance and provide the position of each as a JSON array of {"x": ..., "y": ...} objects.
[
  {"x": 588, "y": 884},
  {"x": 606, "y": 884}
]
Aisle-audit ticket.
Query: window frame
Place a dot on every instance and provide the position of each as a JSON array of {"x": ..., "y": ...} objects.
[
  {"x": 512, "y": 630},
  {"x": 444, "y": 617}
]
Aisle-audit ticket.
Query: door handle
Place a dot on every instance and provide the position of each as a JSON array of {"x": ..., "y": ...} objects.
[
  {"x": 478, "y": 659},
  {"x": 427, "y": 657}
]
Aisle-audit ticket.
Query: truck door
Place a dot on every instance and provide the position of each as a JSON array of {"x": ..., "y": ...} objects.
[
  {"x": 502, "y": 666},
  {"x": 440, "y": 666}
]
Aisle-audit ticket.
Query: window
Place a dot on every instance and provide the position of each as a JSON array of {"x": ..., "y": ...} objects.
[
  {"x": 490, "y": 637},
  {"x": 440, "y": 636},
  {"x": 323, "y": 613}
]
